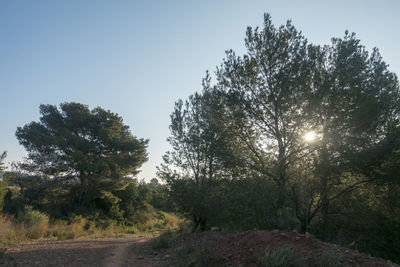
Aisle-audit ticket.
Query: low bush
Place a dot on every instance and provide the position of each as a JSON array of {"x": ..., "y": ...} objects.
[{"x": 29, "y": 217}]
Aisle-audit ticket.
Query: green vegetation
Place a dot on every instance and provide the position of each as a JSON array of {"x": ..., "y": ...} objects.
[
  {"x": 283, "y": 257},
  {"x": 292, "y": 135},
  {"x": 78, "y": 180},
  {"x": 328, "y": 259},
  {"x": 88, "y": 154}
]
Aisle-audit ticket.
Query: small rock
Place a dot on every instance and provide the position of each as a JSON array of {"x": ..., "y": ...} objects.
[
  {"x": 297, "y": 238},
  {"x": 275, "y": 231},
  {"x": 283, "y": 234},
  {"x": 251, "y": 249},
  {"x": 294, "y": 231},
  {"x": 307, "y": 235},
  {"x": 166, "y": 257},
  {"x": 216, "y": 229}
]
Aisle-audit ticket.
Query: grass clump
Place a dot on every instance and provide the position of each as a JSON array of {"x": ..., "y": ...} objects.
[
  {"x": 328, "y": 259},
  {"x": 163, "y": 241},
  {"x": 283, "y": 257},
  {"x": 2, "y": 255},
  {"x": 5, "y": 259}
]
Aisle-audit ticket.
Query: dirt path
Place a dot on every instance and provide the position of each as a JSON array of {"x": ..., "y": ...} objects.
[{"x": 128, "y": 251}]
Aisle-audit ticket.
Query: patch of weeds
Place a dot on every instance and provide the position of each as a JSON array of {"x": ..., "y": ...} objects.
[
  {"x": 2, "y": 255},
  {"x": 205, "y": 258},
  {"x": 131, "y": 229},
  {"x": 283, "y": 257},
  {"x": 162, "y": 241},
  {"x": 63, "y": 235},
  {"x": 5, "y": 259},
  {"x": 328, "y": 259}
]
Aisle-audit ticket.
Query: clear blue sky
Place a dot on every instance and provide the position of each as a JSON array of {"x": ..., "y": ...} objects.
[{"x": 137, "y": 58}]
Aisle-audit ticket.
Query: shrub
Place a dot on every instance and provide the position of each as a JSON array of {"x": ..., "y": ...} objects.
[
  {"x": 30, "y": 217},
  {"x": 34, "y": 221}
]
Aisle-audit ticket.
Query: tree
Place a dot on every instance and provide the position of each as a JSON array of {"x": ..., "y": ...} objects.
[
  {"x": 91, "y": 151},
  {"x": 354, "y": 106},
  {"x": 3, "y": 181},
  {"x": 267, "y": 90},
  {"x": 283, "y": 87},
  {"x": 265, "y": 101}
]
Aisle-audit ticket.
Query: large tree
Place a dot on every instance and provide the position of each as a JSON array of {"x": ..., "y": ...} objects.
[
  {"x": 283, "y": 87},
  {"x": 267, "y": 89},
  {"x": 192, "y": 164},
  {"x": 92, "y": 152},
  {"x": 264, "y": 103}
]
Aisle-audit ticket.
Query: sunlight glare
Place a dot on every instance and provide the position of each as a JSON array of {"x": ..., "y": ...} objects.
[{"x": 310, "y": 136}]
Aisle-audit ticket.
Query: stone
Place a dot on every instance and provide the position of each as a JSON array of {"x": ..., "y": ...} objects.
[
  {"x": 307, "y": 235},
  {"x": 215, "y": 229}
]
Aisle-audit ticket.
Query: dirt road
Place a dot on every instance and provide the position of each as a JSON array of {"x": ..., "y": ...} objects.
[{"x": 128, "y": 251}]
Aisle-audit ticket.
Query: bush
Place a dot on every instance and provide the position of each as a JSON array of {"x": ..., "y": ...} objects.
[
  {"x": 283, "y": 257},
  {"x": 31, "y": 217},
  {"x": 34, "y": 221}
]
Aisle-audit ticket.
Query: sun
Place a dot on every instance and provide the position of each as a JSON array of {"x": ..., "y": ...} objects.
[{"x": 309, "y": 136}]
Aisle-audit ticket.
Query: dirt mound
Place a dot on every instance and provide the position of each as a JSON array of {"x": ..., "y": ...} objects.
[{"x": 251, "y": 247}]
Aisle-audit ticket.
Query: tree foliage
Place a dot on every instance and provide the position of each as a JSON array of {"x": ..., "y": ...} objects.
[
  {"x": 250, "y": 126},
  {"x": 91, "y": 152}
]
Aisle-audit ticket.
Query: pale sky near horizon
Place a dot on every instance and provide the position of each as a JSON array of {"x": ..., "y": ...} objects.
[{"x": 136, "y": 58}]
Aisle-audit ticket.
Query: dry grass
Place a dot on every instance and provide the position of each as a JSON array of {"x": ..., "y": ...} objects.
[{"x": 12, "y": 232}]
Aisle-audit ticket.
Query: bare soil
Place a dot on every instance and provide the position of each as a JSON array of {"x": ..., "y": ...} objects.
[
  {"x": 248, "y": 249},
  {"x": 127, "y": 251},
  {"x": 211, "y": 248}
]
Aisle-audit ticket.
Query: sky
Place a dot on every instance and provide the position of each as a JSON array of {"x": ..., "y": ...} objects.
[{"x": 136, "y": 58}]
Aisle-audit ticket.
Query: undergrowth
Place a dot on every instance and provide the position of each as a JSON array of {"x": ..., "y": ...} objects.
[{"x": 31, "y": 224}]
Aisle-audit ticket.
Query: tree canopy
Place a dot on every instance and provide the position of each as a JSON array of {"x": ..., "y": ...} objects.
[
  {"x": 250, "y": 125},
  {"x": 91, "y": 151}
]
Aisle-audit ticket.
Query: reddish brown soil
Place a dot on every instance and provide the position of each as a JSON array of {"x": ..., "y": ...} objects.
[{"x": 248, "y": 248}]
